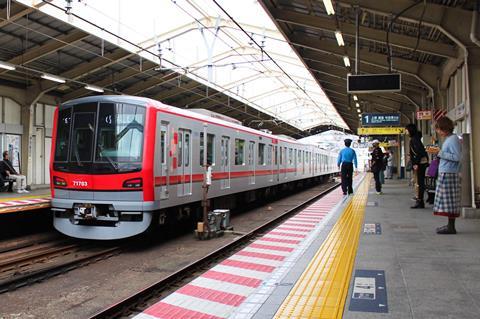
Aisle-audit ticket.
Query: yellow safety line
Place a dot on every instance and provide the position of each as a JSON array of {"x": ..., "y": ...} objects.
[
  {"x": 321, "y": 290},
  {"x": 23, "y": 197}
]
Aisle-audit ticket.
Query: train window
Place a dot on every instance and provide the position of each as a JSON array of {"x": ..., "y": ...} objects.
[
  {"x": 180, "y": 149},
  {"x": 187, "y": 149},
  {"x": 275, "y": 157},
  {"x": 83, "y": 130},
  {"x": 261, "y": 154},
  {"x": 290, "y": 156},
  {"x": 281, "y": 155},
  {"x": 269, "y": 155},
  {"x": 239, "y": 152},
  {"x": 251, "y": 151},
  {"x": 120, "y": 133},
  {"x": 63, "y": 135},
  {"x": 210, "y": 149},
  {"x": 163, "y": 145}
]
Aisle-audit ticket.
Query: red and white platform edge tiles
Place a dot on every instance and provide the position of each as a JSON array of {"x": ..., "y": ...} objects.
[
  {"x": 221, "y": 290},
  {"x": 22, "y": 202}
]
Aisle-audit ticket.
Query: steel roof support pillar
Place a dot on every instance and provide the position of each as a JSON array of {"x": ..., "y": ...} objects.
[
  {"x": 474, "y": 101},
  {"x": 33, "y": 95}
]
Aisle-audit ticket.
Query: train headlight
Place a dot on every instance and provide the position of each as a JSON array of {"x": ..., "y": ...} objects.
[
  {"x": 58, "y": 181},
  {"x": 133, "y": 183}
]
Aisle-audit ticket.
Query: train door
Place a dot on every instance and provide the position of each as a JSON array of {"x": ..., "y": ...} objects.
[
  {"x": 164, "y": 173},
  {"x": 251, "y": 162},
  {"x": 225, "y": 162},
  {"x": 184, "y": 162}
]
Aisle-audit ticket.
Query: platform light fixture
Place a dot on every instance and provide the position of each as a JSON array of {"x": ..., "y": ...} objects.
[
  {"x": 355, "y": 98},
  {"x": 94, "y": 88},
  {"x": 53, "y": 78},
  {"x": 359, "y": 115},
  {"x": 339, "y": 37},
  {"x": 357, "y": 104},
  {"x": 358, "y": 110},
  {"x": 329, "y": 7},
  {"x": 7, "y": 66},
  {"x": 346, "y": 61}
]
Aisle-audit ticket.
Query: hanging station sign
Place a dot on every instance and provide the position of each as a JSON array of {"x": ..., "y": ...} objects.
[
  {"x": 424, "y": 115},
  {"x": 380, "y": 119},
  {"x": 380, "y": 130}
]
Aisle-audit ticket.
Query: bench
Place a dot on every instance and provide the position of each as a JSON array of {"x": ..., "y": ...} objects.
[{"x": 6, "y": 184}]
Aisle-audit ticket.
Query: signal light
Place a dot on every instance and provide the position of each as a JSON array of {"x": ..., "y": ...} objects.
[
  {"x": 133, "y": 183},
  {"x": 58, "y": 181}
]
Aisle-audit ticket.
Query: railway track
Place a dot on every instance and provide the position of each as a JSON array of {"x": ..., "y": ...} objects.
[
  {"x": 30, "y": 259},
  {"x": 137, "y": 302}
]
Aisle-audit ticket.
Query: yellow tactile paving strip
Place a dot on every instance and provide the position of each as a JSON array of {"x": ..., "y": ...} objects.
[
  {"x": 8, "y": 199},
  {"x": 321, "y": 290}
]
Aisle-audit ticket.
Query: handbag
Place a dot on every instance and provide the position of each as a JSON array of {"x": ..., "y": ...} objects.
[{"x": 432, "y": 170}]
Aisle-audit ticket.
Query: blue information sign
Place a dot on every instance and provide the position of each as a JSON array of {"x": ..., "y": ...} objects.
[
  {"x": 380, "y": 119},
  {"x": 369, "y": 292}
]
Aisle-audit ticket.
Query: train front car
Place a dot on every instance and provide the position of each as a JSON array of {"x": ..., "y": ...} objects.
[{"x": 101, "y": 167}]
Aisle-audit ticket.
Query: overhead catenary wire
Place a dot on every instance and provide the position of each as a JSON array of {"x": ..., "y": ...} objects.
[
  {"x": 389, "y": 29},
  {"x": 29, "y": 70},
  {"x": 268, "y": 55},
  {"x": 146, "y": 50}
]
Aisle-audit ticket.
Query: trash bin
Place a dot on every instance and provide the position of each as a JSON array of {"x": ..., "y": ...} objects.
[{"x": 225, "y": 217}]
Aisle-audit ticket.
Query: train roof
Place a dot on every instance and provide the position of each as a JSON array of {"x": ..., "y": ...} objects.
[{"x": 175, "y": 110}]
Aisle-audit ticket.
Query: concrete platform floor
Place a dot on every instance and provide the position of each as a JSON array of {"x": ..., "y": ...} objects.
[{"x": 427, "y": 275}]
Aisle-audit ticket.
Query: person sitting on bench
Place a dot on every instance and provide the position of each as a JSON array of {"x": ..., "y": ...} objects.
[{"x": 9, "y": 173}]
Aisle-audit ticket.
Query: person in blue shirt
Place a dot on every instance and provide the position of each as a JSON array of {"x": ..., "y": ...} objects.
[
  {"x": 447, "y": 193},
  {"x": 346, "y": 159}
]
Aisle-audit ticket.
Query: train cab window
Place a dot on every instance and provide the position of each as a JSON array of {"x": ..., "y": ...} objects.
[
  {"x": 63, "y": 135},
  {"x": 120, "y": 133},
  {"x": 210, "y": 148},
  {"x": 261, "y": 154},
  {"x": 83, "y": 132},
  {"x": 239, "y": 152}
]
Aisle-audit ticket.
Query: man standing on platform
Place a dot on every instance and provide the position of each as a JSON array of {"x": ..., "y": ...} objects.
[{"x": 346, "y": 159}]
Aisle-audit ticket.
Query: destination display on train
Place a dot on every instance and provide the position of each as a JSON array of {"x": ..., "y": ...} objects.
[{"x": 380, "y": 119}]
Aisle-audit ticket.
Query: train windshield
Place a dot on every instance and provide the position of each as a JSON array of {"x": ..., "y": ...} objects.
[{"x": 100, "y": 138}]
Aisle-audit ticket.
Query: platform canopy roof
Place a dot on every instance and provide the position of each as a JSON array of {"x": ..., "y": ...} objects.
[{"x": 232, "y": 47}]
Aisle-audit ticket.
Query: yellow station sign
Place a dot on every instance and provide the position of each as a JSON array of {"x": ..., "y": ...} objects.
[{"x": 381, "y": 130}]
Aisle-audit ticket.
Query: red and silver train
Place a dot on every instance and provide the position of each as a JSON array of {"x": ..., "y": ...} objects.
[{"x": 120, "y": 164}]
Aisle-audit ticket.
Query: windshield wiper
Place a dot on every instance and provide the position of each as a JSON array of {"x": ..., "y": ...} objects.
[{"x": 109, "y": 159}]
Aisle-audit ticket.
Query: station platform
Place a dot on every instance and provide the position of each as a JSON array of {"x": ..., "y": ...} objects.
[
  {"x": 361, "y": 256},
  {"x": 14, "y": 202}
]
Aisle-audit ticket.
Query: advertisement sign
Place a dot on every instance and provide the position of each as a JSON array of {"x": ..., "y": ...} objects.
[
  {"x": 380, "y": 119},
  {"x": 380, "y": 130},
  {"x": 424, "y": 115}
]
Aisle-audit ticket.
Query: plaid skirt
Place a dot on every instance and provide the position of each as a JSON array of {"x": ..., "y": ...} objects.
[{"x": 447, "y": 195}]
